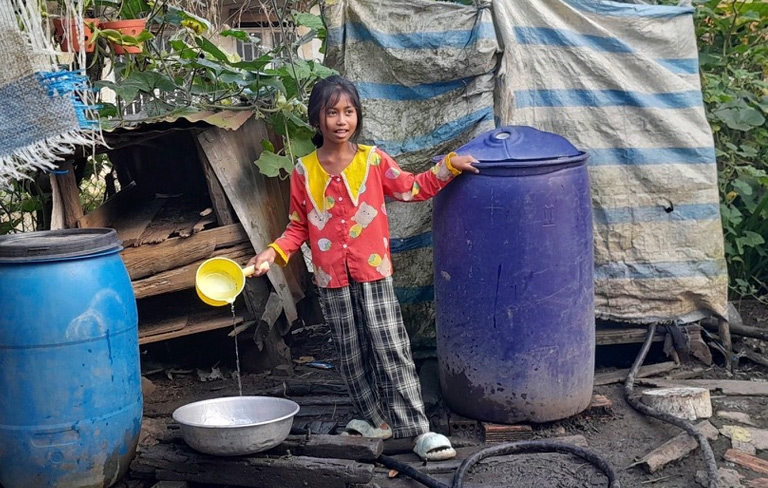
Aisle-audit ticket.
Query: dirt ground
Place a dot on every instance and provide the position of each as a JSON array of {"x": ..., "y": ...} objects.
[{"x": 179, "y": 374}]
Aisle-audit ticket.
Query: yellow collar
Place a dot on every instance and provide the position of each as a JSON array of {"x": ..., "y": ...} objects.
[{"x": 316, "y": 179}]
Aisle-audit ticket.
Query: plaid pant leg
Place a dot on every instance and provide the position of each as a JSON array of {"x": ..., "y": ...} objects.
[
  {"x": 396, "y": 372},
  {"x": 353, "y": 346}
]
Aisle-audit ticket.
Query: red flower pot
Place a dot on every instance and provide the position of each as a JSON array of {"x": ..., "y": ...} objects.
[
  {"x": 128, "y": 27},
  {"x": 64, "y": 26}
]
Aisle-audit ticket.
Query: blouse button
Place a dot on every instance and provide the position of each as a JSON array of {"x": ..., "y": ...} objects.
[
  {"x": 343, "y": 221},
  {"x": 344, "y": 246},
  {"x": 340, "y": 198},
  {"x": 338, "y": 179}
]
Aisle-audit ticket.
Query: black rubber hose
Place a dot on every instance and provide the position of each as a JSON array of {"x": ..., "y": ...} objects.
[
  {"x": 706, "y": 449},
  {"x": 410, "y": 472},
  {"x": 535, "y": 446},
  {"x": 501, "y": 450}
]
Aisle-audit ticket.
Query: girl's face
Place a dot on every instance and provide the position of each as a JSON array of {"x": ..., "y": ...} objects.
[{"x": 338, "y": 122}]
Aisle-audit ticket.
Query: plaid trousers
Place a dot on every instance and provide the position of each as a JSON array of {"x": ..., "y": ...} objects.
[{"x": 375, "y": 354}]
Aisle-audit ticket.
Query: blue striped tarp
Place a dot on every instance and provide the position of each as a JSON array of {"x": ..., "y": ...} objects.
[
  {"x": 620, "y": 81},
  {"x": 427, "y": 88}
]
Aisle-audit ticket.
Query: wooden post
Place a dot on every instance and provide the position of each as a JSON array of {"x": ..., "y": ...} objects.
[
  {"x": 724, "y": 331},
  {"x": 66, "y": 198}
]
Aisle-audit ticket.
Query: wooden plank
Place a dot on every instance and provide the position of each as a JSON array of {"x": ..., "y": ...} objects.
[
  {"x": 758, "y": 483},
  {"x": 725, "y": 387},
  {"x": 131, "y": 225},
  {"x": 178, "y": 463},
  {"x": 163, "y": 326},
  {"x": 332, "y": 446},
  {"x": 109, "y": 211},
  {"x": 746, "y": 460},
  {"x": 645, "y": 371},
  {"x": 148, "y": 260},
  {"x": 675, "y": 448},
  {"x": 231, "y": 155},
  {"x": 631, "y": 335},
  {"x": 193, "y": 326},
  {"x": 183, "y": 277},
  {"x": 221, "y": 207},
  {"x": 65, "y": 196}
]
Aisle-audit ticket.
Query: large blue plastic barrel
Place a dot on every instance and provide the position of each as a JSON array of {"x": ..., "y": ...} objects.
[
  {"x": 514, "y": 294},
  {"x": 70, "y": 380}
]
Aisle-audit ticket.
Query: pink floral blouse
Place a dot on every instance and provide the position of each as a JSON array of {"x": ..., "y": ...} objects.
[{"x": 344, "y": 218}]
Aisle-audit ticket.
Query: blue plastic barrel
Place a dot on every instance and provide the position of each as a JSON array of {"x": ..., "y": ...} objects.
[
  {"x": 70, "y": 380},
  {"x": 514, "y": 294}
]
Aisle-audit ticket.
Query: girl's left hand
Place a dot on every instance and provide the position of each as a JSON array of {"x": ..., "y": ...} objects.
[{"x": 464, "y": 163}]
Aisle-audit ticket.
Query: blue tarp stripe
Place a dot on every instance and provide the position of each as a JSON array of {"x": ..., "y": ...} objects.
[
  {"x": 680, "y": 66},
  {"x": 442, "y": 134},
  {"x": 635, "y": 156},
  {"x": 410, "y": 243},
  {"x": 415, "y": 295},
  {"x": 677, "y": 269},
  {"x": 657, "y": 213},
  {"x": 545, "y": 36},
  {"x": 607, "y": 98},
  {"x": 618, "y": 9},
  {"x": 356, "y": 32},
  {"x": 424, "y": 91}
]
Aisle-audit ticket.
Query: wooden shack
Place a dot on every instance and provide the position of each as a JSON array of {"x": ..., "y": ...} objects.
[{"x": 189, "y": 190}]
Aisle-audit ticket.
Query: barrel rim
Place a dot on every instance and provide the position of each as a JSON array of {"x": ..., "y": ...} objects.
[{"x": 54, "y": 245}]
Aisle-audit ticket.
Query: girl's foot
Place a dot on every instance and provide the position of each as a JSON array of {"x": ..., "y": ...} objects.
[
  {"x": 365, "y": 429},
  {"x": 432, "y": 446}
]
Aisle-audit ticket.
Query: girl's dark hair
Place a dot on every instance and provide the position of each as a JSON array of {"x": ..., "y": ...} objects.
[{"x": 326, "y": 93}]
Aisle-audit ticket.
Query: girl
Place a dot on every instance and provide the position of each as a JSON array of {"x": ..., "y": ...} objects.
[{"x": 337, "y": 204}]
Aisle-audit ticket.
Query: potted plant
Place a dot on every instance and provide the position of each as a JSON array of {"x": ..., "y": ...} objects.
[{"x": 126, "y": 30}]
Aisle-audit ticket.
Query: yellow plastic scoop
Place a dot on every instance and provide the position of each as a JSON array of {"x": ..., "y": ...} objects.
[{"x": 219, "y": 281}]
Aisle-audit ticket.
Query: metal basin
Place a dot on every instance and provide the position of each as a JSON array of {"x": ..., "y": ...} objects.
[{"x": 234, "y": 426}]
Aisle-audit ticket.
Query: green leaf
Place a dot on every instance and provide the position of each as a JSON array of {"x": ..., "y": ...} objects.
[
  {"x": 270, "y": 164},
  {"x": 301, "y": 146},
  {"x": 267, "y": 145},
  {"x": 211, "y": 49},
  {"x": 240, "y": 35},
  {"x": 307, "y": 19},
  {"x": 742, "y": 118}
]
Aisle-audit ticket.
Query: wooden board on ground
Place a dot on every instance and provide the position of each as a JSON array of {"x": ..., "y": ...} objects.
[
  {"x": 620, "y": 375},
  {"x": 748, "y": 461},
  {"x": 179, "y": 463},
  {"x": 631, "y": 335},
  {"x": 725, "y": 387},
  {"x": 231, "y": 155},
  {"x": 675, "y": 448}
]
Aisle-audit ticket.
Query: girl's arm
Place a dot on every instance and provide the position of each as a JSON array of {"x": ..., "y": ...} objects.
[
  {"x": 295, "y": 234},
  {"x": 408, "y": 187}
]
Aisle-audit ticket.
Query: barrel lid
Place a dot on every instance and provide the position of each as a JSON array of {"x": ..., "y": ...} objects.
[
  {"x": 519, "y": 143},
  {"x": 57, "y": 244}
]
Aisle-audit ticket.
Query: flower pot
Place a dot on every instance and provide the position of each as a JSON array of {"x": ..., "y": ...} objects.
[
  {"x": 128, "y": 27},
  {"x": 66, "y": 34}
]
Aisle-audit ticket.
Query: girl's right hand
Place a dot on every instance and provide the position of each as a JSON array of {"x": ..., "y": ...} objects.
[{"x": 262, "y": 261}]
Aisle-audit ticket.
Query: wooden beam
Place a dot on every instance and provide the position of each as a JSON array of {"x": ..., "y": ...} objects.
[
  {"x": 231, "y": 155},
  {"x": 183, "y": 278},
  {"x": 725, "y": 387},
  {"x": 193, "y": 324},
  {"x": 178, "y": 463},
  {"x": 748, "y": 461},
  {"x": 148, "y": 260},
  {"x": 645, "y": 371},
  {"x": 631, "y": 335},
  {"x": 109, "y": 211},
  {"x": 332, "y": 446},
  {"x": 221, "y": 206}
]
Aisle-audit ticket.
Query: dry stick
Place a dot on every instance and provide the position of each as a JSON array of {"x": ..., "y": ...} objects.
[{"x": 706, "y": 449}]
